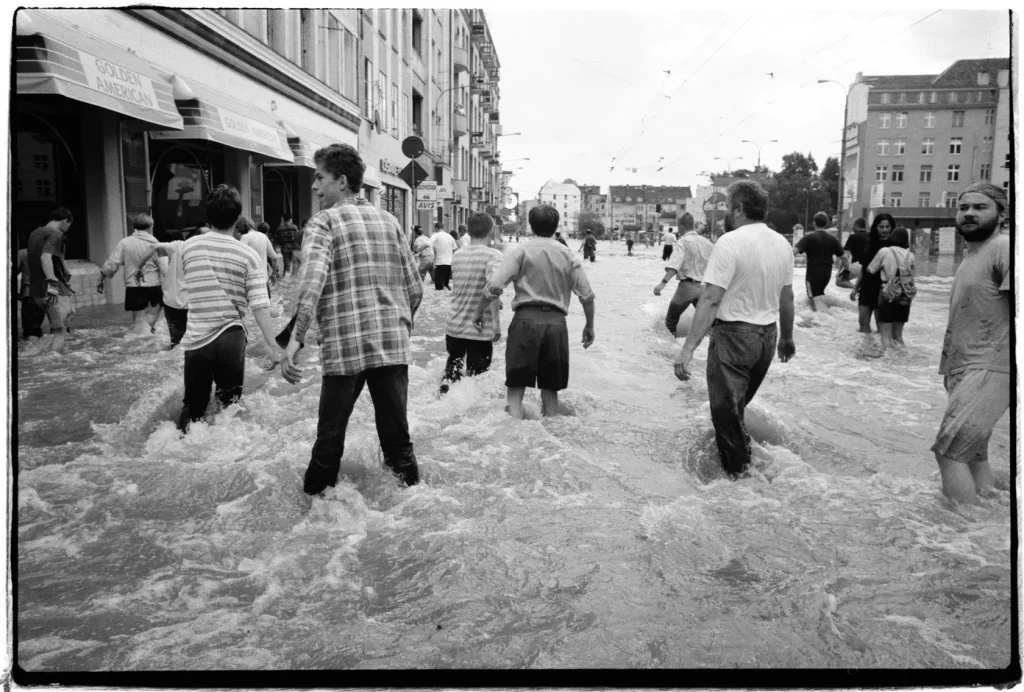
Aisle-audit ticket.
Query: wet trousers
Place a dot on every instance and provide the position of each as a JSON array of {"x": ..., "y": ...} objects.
[
  {"x": 177, "y": 321},
  {"x": 389, "y": 388},
  {"x": 688, "y": 292},
  {"x": 739, "y": 354},
  {"x": 220, "y": 362}
]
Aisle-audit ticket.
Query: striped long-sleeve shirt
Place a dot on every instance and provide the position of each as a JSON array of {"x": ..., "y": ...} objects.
[
  {"x": 361, "y": 281},
  {"x": 222, "y": 276}
]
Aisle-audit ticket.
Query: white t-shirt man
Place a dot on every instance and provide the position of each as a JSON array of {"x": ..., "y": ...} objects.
[
  {"x": 753, "y": 264},
  {"x": 444, "y": 248},
  {"x": 668, "y": 239},
  {"x": 261, "y": 244}
]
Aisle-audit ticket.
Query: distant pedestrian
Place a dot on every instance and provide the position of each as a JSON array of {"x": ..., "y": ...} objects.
[
  {"x": 868, "y": 285},
  {"x": 362, "y": 285},
  {"x": 748, "y": 288},
  {"x": 50, "y": 279},
  {"x": 691, "y": 258},
  {"x": 172, "y": 281},
  {"x": 668, "y": 240},
  {"x": 222, "y": 276},
  {"x": 424, "y": 252},
  {"x": 854, "y": 247},
  {"x": 629, "y": 244},
  {"x": 559, "y": 238},
  {"x": 895, "y": 265},
  {"x": 143, "y": 296},
  {"x": 589, "y": 246},
  {"x": 976, "y": 349},
  {"x": 263, "y": 247},
  {"x": 471, "y": 268},
  {"x": 464, "y": 239},
  {"x": 444, "y": 248},
  {"x": 821, "y": 247},
  {"x": 545, "y": 276},
  {"x": 287, "y": 240}
]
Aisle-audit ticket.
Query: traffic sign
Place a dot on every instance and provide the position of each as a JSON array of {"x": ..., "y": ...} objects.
[
  {"x": 427, "y": 191},
  {"x": 413, "y": 175}
]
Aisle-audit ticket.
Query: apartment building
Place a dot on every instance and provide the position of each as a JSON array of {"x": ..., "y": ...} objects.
[
  {"x": 915, "y": 141},
  {"x": 566, "y": 198},
  {"x": 116, "y": 112},
  {"x": 646, "y": 207},
  {"x": 593, "y": 201}
]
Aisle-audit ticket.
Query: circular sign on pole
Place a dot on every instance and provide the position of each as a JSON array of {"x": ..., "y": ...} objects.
[
  {"x": 412, "y": 147},
  {"x": 716, "y": 201}
]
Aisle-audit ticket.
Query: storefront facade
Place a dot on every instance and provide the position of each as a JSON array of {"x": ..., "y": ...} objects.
[{"x": 111, "y": 133}]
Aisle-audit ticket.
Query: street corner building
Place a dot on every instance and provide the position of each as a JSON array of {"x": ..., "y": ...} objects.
[{"x": 118, "y": 112}]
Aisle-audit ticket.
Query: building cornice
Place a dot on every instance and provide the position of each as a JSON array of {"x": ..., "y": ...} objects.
[{"x": 214, "y": 43}]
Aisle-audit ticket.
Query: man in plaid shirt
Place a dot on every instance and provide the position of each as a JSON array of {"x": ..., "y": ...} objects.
[{"x": 362, "y": 282}]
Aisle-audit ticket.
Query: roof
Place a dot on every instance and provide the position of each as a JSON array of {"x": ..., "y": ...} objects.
[
  {"x": 964, "y": 73},
  {"x": 551, "y": 187},
  {"x": 590, "y": 189},
  {"x": 908, "y": 81}
]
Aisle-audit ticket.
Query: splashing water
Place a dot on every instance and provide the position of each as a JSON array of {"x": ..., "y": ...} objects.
[{"x": 607, "y": 539}]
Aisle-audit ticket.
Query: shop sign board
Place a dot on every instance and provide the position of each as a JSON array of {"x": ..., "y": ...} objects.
[{"x": 426, "y": 195}]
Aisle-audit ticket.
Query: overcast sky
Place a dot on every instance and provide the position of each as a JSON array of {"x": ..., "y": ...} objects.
[{"x": 588, "y": 89}]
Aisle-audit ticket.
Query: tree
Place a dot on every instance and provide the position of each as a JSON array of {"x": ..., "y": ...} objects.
[
  {"x": 830, "y": 180},
  {"x": 798, "y": 193},
  {"x": 568, "y": 181},
  {"x": 591, "y": 220}
]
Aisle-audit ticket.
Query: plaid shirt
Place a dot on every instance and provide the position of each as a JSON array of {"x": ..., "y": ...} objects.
[{"x": 361, "y": 279}]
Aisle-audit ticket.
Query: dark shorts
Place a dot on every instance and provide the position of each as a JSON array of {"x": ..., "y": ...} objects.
[
  {"x": 537, "y": 352},
  {"x": 818, "y": 276},
  {"x": 629, "y": 244},
  {"x": 666, "y": 253},
  {"x": 891, "y": 312},
  {"x": 141, "y": 297},
  {"x": 442, "y": 276}
]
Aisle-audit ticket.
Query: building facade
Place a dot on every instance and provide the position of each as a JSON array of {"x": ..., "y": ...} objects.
[
  {"x": 566, "y": 198},
  {"x": 122, "y": 111},
  {"x": 648, "y": 208},
  {"x": 913, "y": 142}
]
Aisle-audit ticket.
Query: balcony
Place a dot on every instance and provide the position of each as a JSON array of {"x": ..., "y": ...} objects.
[
  {"x": 476, "y": 140},
  {"x": 459, "y": 125},
  {"x": 479, "y": 85},
  {"x": 460, "y": 59}
]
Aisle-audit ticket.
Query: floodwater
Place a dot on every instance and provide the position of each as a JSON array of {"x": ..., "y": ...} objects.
[{"x": 608, "y": 539}]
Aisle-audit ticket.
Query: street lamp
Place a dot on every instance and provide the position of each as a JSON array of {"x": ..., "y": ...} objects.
[
  {"x": 728, "y": 162},
  {"x": 842, "y": 160},
  {"x": 748, "y": 141}
]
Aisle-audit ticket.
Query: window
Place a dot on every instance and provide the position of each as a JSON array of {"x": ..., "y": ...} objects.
[
  {"x": 986, "y": 143},
  {"x": 954, "y": 97},
  {"x": 1006, "y": 187},
  {"x": 983, "y": 78},
  {"x": 886, "y": 98},
  {"x": 382, "y": 100},
  {"x": 922, "y": 97},
  {"x": 899, "y": 147},
  {"x": 881, "y": 172},
  {"x": 307, "y": 41},
  {"x": 897, "y": 174},
  {"x": 986, "y": 171},
  {"x": 926, "y": 174},
  {"x": 367, "y": 90},
  {"x": 41, "y": 162},
  {"x": 958, "y": 118},
  {"x": 394, "y": 109},
  {"x": 924, "y": 199},
  {"x": 417, "y": 113},
  {"x": 903, "y": 97},
  {"x": 955, "y": 145},
  {"x": 350, "y": 68},
  {"x": 953, "y": 173},
  {"x": 949, "y": 200},
  {"x": 895, "y": 199},
  {"x": 883, "y": 147},
  {"x": 417, "y": 33},
  {"x": 884, "y": 120},
  {"x": 334, "y": 37},
  {"x": 990, "y": 116},
  {"x": 1006, "y": 163},
  {"x": 928, "y": 145},
  {"x": 929, "y": 119},
  {"x": 901, "y": 121},
  {"x": 934, "y": 97},
  {"x": 979, "y": 96},
  {"x": 277, "y": 31}
]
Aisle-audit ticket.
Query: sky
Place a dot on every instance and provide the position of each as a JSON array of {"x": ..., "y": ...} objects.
[{"x": 596, "y": 93}]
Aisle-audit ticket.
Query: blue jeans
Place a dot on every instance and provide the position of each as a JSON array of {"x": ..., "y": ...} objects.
[
  {"x": 389, "y": 386},
  {"x": 738, "y": 358}
]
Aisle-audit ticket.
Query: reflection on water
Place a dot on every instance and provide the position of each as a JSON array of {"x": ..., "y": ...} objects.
[{"x": 609, "y": 539}]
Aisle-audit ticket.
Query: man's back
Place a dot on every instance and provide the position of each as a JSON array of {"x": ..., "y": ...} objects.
[
  {"x": 371, "y": 287},
  {"x": 41, "y": 241},
  {"x": 259, "y": 243},
  {"x": 444, "y": 247},
  {"x": 471, "y": 268},
  {"x": 752, "y": 263},
  {"x": 694, "y": 251},
  {"x": 543, "y": 271},
  {"x": 856, "y": 244},
  {"x": 820, "y": 246}
]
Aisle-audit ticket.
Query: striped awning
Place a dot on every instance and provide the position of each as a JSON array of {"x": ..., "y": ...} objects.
[
  {"x": 303, "y": 144},
  {"x": 53, "y": 58},
  {"x": 214, "y": 117}
]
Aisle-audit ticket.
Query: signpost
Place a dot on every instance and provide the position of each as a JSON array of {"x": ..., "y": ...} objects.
[{"x": 426, "y": 196}]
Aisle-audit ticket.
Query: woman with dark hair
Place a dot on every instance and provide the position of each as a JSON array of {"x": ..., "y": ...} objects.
[
  {"x": 868, "y": 285},
  {"x": 891, "y": 316}
]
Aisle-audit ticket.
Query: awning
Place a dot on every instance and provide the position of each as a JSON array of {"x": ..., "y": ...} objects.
[
  {"x": 303, "y": 144},
  {"x": 393, "y": 180},
  {"x": 215, "y": 117},
  {"x": 53, "y": 58},
  {"x": 371, "y": 178}
]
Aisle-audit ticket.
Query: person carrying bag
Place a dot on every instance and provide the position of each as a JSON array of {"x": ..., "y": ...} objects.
[{"x": 896, "y": 265}]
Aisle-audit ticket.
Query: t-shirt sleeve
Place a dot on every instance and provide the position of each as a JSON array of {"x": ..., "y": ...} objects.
[
  {"x": 801, "y": 245},
  {"x": 721, "y": 265},
  {"x": 509, "y": 269},
  {"x": 837, "y": 248},
  {"x": 580, "y": 282},
  {"x": 256, "y": 283},
  {"x": 1002, "y": 264}
]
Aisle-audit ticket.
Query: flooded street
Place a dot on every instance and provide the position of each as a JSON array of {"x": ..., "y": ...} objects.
[{"x": 609, "y": 539}]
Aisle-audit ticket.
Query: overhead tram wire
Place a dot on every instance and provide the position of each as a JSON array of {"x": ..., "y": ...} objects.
[{"x": 929, "y": 16}]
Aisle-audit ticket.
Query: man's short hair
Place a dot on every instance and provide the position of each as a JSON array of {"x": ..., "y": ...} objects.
[
  {"x": 479, "y": 224},
  {"x": 820, "y": 220},
  {"x": 860, "y": 224},
  {"x": 264, "y": 228},
  {"x": 994, "y": 193},
  {"x": 463, "y": 229},
  {"x": 418, "y": 230},
  {"x": 286, "y": 216},
  {"x": 243, "y": 225},
  {"x": 142, "y": 222},
  {"x": 223, "y": 206},
  {"x": 438, "y": 226},
  {"x": 686, "y": 221},
  {"x": 750, "y": 198},
  {"x": 544, "y": 220},
  {"x": 61, "y": 214},
  {"x": 342, "y": 160}
]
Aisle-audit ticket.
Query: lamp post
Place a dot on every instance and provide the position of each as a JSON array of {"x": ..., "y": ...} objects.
[
  {"x": 728, "y": 163},
  {"x": 748, "y": 141},
  {"x": 842, "y": 154}
]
